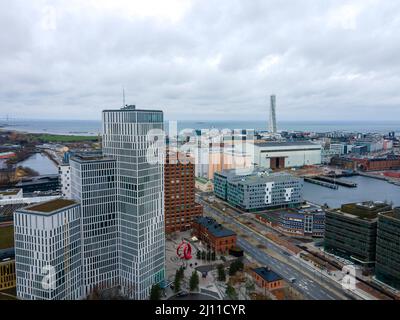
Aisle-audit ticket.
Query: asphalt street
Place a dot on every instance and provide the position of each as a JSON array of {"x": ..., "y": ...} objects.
[{"x": 305, "y": 284}]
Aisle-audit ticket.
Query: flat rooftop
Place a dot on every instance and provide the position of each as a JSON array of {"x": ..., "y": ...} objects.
[
  {"x": 10, "y": 192},
  {"x": 363, "y": 210},
  {"x": 286, "y": 144},
  {"x": 261, "y": 178},
  {"x": 395, "y": 213},
  {"x": 95, "y": 156},
  {"x": 241, "y": 172},
  {"x": 51, "y": 206}
]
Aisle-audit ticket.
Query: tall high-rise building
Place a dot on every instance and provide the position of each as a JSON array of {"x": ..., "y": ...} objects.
[
  {"x": 111, "y": 235},
  {"x": 179, "y": 186},
  {"x": 272, "y": 115},
  {"x": 48, "y": 251},
  {"x": 131, "y": 136},
  {"x": 93, "y": 180}
]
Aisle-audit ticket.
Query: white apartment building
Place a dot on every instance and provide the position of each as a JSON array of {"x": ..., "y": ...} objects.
[{"x": 48, "y": 251}]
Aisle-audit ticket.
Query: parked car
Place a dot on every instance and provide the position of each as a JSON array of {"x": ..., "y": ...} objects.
[{"x": 182, "y": 294}]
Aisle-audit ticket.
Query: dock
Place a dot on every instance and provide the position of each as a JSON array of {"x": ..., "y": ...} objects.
[
  {"x": 322, "y": 183},
  {"x": 340, "y": 182}
]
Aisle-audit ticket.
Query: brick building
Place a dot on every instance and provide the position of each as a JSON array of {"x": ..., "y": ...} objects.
[
  {"x": 179, "y": 199},
  {"x": 268, "y": 280},
  {"x": 387, "y": 163},
  {"x": 214, "y": 235}
]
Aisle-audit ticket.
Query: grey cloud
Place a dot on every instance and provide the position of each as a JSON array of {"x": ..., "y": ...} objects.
[{"x": 221, "y": 60}]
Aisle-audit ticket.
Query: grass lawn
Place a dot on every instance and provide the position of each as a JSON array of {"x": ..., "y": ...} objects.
[
  {"x": 64, "y": 138},
  {"x": 6, "y": 237}
]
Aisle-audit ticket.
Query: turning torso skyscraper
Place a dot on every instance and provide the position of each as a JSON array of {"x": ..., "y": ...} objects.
[{"x": 127, "y": 138}]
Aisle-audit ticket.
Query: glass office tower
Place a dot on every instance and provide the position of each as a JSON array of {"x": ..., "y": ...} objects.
[{"x": 129, "y": 137}]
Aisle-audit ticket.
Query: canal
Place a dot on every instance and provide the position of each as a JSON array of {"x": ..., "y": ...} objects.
[
  {"x": 40, "y": 163},
  {"x": 367, "y": 189}
]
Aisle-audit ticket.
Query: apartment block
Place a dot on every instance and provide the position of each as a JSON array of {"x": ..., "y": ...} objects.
[{"x": 179, "y": 198}]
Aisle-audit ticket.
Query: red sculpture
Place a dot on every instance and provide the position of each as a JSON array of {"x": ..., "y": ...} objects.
[{"x": 184, "y": 250}]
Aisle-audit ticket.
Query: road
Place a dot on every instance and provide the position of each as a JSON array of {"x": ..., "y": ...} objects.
[{"x": 304, "y": 283}]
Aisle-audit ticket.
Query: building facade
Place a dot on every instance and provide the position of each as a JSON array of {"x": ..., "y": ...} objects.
[
  {"x": 267, "y": 279},
  {"x": 351, "y": 231},
  {"x": 278, "y": 155},
  {"x": 93, "y": 179},
  {"x": 215, "y": 236},
  {"x": 48, "y": 251},
  {"x": 179, "y": 198},
  {"x": 259, "y": 190},
  {"x": 130, "y": 137},
  {"x": 303, "y": 223},
  {"x": 387, "y": 267}
]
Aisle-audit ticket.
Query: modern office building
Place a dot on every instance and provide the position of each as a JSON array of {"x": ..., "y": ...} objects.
[
  {"x": 286, "y": 154},
  {"x": 221, "y": 179},
  {"x": 305, "y": 222},
  {"x": 132, "y": 137},
  {"x": 48, "y": 251},
  {"x": 387, "y": 267},
  {"x": 64, "y": 171},
  {"x": 351, "y": 231},
  {"x": 259, "y": 190},
  {"x": 214, "y": 235},
  {"x": 179, "y": 197},
  {"x": 93, "y": 180}
]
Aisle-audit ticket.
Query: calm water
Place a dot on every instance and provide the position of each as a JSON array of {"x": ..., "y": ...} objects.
[
  {"x": 40, "y": 163},
  {"x": 93, "y": 127},
  {"x": 367, "y": 189}
]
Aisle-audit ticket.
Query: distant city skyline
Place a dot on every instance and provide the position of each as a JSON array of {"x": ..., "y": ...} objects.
[{"x": 201, "y": 60}]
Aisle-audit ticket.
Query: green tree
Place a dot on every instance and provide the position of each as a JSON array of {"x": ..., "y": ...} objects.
[
  {"x": 155, "y": 293},
  {"x": 177, "y": 282},
  {"x": 250, "y": 286},
  {"x": 181, "y": 273},
  {"x": 231, "y": 292},
  {"x": 235, "y": 266},
  {"x": 221, "y": 273},
  {"x": 198, "y": 254},
  {"x": 194, "y": 281},
  {"x": 213, "y": 256},
  {"x": 208, "y": 255},
  {"x": 240, "y": 265},
  {"x": 203, "y": 255}
]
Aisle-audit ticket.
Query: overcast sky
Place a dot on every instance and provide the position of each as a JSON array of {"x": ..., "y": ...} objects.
[{"x": 201, "y": 59}]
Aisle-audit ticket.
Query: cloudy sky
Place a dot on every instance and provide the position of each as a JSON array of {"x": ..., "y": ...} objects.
[{"x": 201, "y": 59}]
